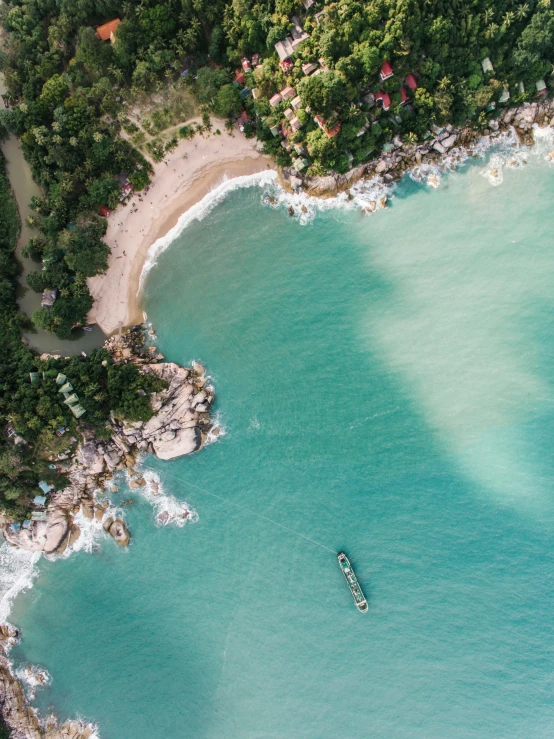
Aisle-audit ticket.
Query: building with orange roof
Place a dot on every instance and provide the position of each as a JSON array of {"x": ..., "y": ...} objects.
[{"x": 107, "y": 31}]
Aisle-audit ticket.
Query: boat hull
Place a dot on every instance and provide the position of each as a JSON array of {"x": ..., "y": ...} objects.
[{"x": 352, "y": 582}]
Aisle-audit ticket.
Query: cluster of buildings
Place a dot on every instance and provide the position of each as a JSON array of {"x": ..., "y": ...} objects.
[
  {"x": 487, "y": 68},
  {"x": 383, "y": 98},
  {"x": 71, "y": 399},
  {"x": 39, "y": 501},
  {"x": 285, "y": 49}
]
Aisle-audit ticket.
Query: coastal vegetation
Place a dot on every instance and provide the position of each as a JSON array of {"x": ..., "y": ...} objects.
[
  {"x": 37, "y": 424},
  {"x": 73, "y": 96},
  {"x": 359, "y": 77}
]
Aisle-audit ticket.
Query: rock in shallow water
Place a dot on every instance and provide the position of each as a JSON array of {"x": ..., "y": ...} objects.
[{"x": 119, "y": 531}]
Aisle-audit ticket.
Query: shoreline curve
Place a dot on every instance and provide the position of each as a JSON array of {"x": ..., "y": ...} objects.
[{"x": 184, "y": 178}]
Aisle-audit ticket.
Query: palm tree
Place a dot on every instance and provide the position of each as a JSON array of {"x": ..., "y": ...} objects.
[
  {"x": 491, "y": 31},
  {"x": 508, "y": 19},
  {"x": 522, "y": 11},
  {"x": 116, "y": 73},
  {"x": 488, "y": 15},
  {"x": 142, "y": 7},
  {"x": 444, "y": 84}
]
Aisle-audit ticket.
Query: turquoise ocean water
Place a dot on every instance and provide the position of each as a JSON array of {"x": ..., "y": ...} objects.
[{"x": 386, "y": 384}]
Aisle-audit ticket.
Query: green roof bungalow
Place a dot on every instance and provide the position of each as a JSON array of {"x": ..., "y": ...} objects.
[
  {"x": 34, "y": 376},
  {"x": 66, "y": 388},
  {"x": 72, "y": 399},
  {"x": 77, "y": 410},
  {"x": 60, "y": 379}
]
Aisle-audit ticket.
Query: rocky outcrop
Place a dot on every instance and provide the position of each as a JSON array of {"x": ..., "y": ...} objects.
[
  {"x": 180, "y": 425},
  {"x": 182, "y": 420},
  {"x": 390, "y": 166},
  {"x": 19, "y": 716},
  {"x": 43, "y": 536},
  {"x": 118, "y": 530},
  {"x": 23, "y": 720},
  {"x": 326, "y": 186}
]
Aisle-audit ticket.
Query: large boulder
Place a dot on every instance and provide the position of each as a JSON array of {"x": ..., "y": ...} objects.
[
  {"x": 119, "y": 531},
  {"x": 185, "y": 441},
  {"x": 175, "y": 428},
  {"x": 47, "y": 536}
]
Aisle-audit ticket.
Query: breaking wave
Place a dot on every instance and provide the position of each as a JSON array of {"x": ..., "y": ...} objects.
[
  {"x": 17, "y": 572},
  {"x": 367, "y": 196},
  {"x": 168, "y": 510},
  {"x": 200, "y": 210},
  {"x": 33, "y": 677}
]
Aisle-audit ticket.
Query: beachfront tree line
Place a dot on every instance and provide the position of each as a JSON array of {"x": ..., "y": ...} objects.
[
  {"x": 67, "y": 92},
  {"x": 31, "y": 405}
]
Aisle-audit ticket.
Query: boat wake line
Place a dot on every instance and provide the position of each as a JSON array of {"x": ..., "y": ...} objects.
[{"x": 244, "y": 508}]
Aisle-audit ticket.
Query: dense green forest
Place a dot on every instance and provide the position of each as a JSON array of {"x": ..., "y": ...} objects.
[
  {"x": 69, "y": 93},
  {"x": 35, "y": 410}
]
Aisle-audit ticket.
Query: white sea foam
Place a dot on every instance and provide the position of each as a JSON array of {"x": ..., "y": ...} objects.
[
  {"x": 17, "y": 572},
  {"x": 33, "y": 677},
  {"x": 218, "y": 427},
  {"x": 364, "y": 196},
  {"x": 167, "y": 508},
  {"x": 200, "y": 210}
]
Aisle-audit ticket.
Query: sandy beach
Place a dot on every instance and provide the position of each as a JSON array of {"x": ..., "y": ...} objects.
[{"x": 188, "y": 173}]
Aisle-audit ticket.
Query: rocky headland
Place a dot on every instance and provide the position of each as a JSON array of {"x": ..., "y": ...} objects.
[
  {"x": 180, "y": 425},
  {"x": 403, "y": 157}
]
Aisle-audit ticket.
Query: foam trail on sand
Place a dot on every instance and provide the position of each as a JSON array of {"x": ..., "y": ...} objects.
[
  {"x": 199, "y": 211},
  {"x": 167, "y": 508},
  {"x": 17, "y": 572}
]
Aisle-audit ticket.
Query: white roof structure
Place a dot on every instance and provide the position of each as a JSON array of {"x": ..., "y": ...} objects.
[{"x": 487, "y": 65}]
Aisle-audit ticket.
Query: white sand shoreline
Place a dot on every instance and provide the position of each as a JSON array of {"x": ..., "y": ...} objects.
[{"x": 186, "y": 176}]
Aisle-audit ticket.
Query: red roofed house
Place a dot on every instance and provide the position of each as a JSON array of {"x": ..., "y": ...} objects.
[
  {"x": 104, "y": 211},
  {"x": 386, "y": 71},
  {"x": 240, "y": 79},
  {"x": 329, "y": 132},
  {"x": 286, "y": 65},
  {"x": 403, "y": 96},
  {"x": 287, "y": 92},
  {"x": 242, "y": 120},
  {"x": 255, "y": 59},
  {"x": 107, "y": 31},
  {"x": 384, "y": 97},
  {"x": 411, "y": 81},
  {"x": 245, "y": 61},
  {"x": 275, "y": 100}
]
